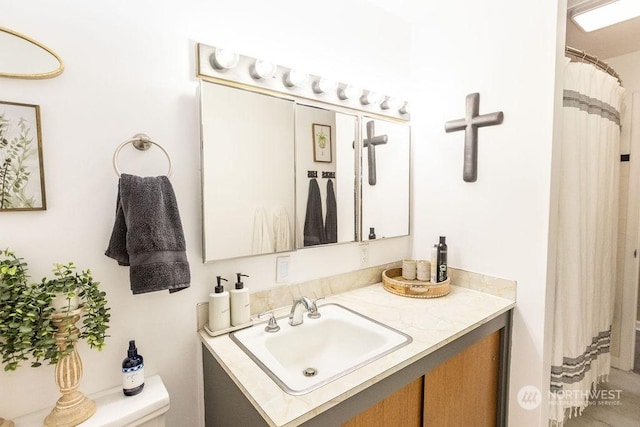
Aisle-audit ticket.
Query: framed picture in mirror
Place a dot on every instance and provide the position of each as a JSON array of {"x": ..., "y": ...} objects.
[
  {"x": 321, "y": 143},
  {"x": 21, "y": 171}
]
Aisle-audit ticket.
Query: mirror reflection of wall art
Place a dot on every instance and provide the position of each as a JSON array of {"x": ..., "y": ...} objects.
[
  {"x": 321, "y": 143},
  {"x": 21, "y": 171}
]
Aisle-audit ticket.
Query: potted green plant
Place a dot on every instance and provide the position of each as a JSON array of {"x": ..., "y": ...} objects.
[
  {"x": 69, "y": 290},
  {"x": 26, "y": 328}
]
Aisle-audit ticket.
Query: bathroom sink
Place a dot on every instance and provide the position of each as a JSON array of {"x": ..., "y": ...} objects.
[{"x": 304, "y": 357}]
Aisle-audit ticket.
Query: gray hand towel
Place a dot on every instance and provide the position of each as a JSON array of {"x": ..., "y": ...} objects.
[
  {"x": 331, "y": 219},
  {"x": 313, "y": 224},
  {"x": 147, "y": 235}
]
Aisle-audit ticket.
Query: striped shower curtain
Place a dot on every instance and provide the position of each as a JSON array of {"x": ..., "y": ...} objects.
[{"x": 586, "y": 238}]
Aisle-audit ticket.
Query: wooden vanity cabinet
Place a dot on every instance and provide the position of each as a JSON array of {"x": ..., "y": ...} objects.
[
  {"x": 402, "y": 408},
  {"x": 463, "y": 383},
  {"x": 461, "y": 391}
]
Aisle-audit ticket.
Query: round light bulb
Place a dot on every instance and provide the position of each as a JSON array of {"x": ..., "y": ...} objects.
[
  {"x": 263, "y": 69},
  {"x": 296, "y": 78},
  {"x": 373, "y": 98},
  {"x": 349, "y": 92},
  {"x": 323, "y": 85},
  {"x": 391, "y": 104},
  {"x": 224, "y": 58}
]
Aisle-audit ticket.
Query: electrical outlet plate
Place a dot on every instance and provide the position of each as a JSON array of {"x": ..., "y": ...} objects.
[
  {"x": 364, "y": 255},
  {"x": 282, "y": 269}
]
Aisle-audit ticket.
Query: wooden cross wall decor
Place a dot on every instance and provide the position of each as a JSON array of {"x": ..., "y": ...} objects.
[{"x": 470, "y": 124}]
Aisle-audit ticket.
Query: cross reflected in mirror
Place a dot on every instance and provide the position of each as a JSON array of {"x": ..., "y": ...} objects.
[
  {"x": 370, "y": 143},
  {"x": 470, "y": 124}
]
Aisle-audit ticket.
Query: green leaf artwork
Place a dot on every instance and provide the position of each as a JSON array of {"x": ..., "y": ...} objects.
[
  {"x": 21, "y": 186},
  {"x": 322, "y": 138}
]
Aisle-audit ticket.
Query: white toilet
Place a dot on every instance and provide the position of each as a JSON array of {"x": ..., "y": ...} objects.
[{"x": 114, "y": 409}]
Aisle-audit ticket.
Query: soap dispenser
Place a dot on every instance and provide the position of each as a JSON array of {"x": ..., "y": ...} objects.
[
  {"x": 219, "y": 307},
  {"x": 240, "y": 306},
  {"x": 132, "y": 371}
]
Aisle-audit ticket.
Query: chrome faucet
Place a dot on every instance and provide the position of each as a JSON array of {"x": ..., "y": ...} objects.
[{"x": 295, "y": 317}]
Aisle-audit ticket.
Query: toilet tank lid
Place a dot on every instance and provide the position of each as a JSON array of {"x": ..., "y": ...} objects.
[{"x": 114, "y": 409}]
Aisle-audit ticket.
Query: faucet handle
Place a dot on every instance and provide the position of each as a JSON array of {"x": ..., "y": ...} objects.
[
  {"x": 272, "y": 326},
  {"x": 313, "y": 309}
]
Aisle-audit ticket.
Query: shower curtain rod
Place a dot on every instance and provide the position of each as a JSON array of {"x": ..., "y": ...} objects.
[{"x": 585, "y": 57}]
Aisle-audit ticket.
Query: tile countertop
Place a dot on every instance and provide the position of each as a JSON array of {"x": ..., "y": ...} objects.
[{"x": 431, "y": 323}]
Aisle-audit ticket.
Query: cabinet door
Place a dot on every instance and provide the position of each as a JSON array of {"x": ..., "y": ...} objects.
[
  {"x": 402, "y": 408},
  {"x": 463, "y": 391}
]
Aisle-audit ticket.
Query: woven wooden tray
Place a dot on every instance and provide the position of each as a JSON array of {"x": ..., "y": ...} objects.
[{"x": 393, "y": 282}]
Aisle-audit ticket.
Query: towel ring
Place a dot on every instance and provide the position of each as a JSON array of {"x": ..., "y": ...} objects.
[{"x": 141, "y": 142}]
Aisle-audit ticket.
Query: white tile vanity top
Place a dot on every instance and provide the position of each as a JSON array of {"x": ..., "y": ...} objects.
[{"x": 431, "y": 322}]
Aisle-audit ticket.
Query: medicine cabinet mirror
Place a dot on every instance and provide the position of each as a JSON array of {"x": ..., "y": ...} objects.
[
  {"x": 385, "y": 179},
  {"x": 257, "y": 152},
  {"x": 325, "y": 176},
  {"x": 247, "y": 172}
]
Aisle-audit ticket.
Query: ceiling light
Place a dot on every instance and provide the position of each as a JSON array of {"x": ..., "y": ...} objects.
[
  {"x": 262, "y": 69},
  {"x": 323, "y": 85},
  {"x": 405, "y": 108},
  {"x": 593, "y": 15},
  {"x": 371, "y": 98},
  {"x": 295, "y": 78},
  {"x": 349, "y": 92},
  {"x": 224, "y": 58}
]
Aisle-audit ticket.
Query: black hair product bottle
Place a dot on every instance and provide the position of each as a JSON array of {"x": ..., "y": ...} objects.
[{"x": 442, "y": 260}]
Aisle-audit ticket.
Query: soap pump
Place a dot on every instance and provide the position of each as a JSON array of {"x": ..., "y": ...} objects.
[
  {"x": 240, "y": 305},
  {"x": 219, "y": 307},
  {"x": 132, "y": 371}
]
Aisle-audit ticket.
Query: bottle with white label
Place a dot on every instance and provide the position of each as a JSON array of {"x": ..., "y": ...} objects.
[
  {"x": 219, "y": 307},
  {"x": 240, "y": 305},
  {"x": 434, "y": 264},
  {"x": 132, "y": 371}
]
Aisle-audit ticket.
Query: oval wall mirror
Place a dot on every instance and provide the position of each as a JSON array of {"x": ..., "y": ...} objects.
[{"x": 26, "y": 58}]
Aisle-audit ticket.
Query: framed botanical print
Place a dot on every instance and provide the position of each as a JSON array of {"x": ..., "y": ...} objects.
[
  {"x": 321, "y": 143},
  {"x": 21, "y": 168}
]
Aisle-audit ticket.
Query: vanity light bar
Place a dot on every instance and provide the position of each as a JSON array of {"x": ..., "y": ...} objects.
[{"x": 218, "y": 63}]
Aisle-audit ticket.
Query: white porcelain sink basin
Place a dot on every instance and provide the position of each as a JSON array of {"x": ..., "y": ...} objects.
[{"x": 304, "y": 357}]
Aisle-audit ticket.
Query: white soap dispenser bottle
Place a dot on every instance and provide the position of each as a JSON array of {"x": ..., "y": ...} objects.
[
  {"x": 240, "y": 305},
  {"x": 219, "y": 307}
]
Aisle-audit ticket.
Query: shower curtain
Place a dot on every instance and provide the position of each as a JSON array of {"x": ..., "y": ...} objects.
[{"x": 586, "y": 239}]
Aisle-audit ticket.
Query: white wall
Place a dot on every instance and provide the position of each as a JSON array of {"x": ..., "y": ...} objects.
[
  {"x": 130, "y": 68},
  {"x": 627, "y": 66},
  {"x": 507, "y": 52}
]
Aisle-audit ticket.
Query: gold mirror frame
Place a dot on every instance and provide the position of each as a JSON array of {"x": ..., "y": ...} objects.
[{"x": 45, "y": 75}]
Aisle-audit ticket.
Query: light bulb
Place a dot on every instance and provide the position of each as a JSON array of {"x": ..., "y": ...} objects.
[
  {"x": 373, "y": 98},
  {"x": 296, "y": 78},
  {"x": 391, "y": 104},
  {"x": 224, "y": 58},
  {"x": 262, "y": 69},
  {"x": 323, "y": 85},
  {"x": 349, "y": 92}
]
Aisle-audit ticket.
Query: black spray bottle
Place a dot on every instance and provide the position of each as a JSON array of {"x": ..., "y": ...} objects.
[
  {"x": 442, "y": 260},
  {"x": 132, "y": 371}
]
